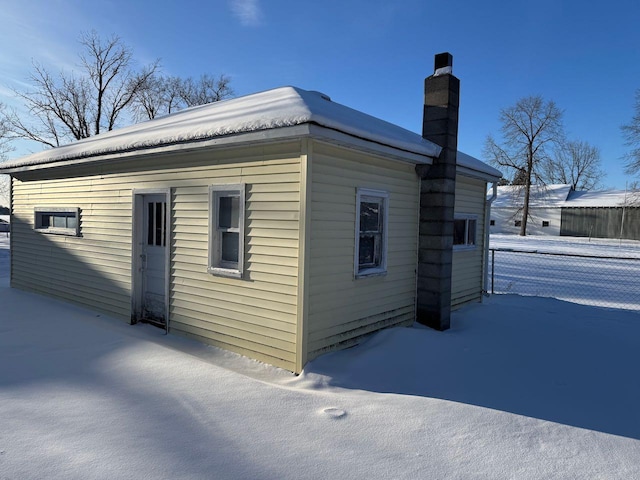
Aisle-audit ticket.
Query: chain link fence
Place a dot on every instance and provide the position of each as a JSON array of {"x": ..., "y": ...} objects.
[{"x": 605, "y": 281}]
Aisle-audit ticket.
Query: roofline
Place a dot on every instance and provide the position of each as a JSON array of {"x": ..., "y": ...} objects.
[
  {"x": 470, "y": 172},
  {"x": 307, "y": 129},
  {"x": 320, "y": 132}
]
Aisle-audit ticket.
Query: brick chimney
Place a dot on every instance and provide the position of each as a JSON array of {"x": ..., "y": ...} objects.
[{"x": 437, "y": 195}]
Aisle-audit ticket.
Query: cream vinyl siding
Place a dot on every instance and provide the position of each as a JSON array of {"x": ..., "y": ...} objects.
[
  {"x": 255, "y": 316},
  {"x": 341, "y": 308},
  {"x": 93, "y": 270},
  {"x": 466, "y": 281}
]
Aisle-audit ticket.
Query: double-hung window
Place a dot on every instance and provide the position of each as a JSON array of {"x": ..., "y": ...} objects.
[
  {"x": 464, "y": 231},
  {"x": 371, "y": 232},
  {"x": 57, "y": 220},
  {"x": 226, "y": 236}
]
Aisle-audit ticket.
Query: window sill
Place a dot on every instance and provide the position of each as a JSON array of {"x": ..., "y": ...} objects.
[
  {"x": 224, "y": 272},
  {"x": 69, "y": 232},
  {"x": 371, "y": 272}
]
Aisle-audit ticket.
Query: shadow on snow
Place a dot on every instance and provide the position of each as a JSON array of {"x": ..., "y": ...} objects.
[{"x": 542, "y": 358}]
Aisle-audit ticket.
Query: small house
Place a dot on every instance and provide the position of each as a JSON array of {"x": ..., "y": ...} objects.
[{"x": 279, "y": 225}]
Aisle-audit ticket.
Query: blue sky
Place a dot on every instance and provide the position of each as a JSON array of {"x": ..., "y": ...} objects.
[{"x": 371, "y": 55}]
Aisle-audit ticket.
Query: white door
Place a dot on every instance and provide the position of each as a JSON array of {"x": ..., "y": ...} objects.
[{"x": 153, "y": 259}]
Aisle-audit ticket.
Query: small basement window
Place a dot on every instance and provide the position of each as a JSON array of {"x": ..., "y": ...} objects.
[
  {"x": 545, "y": 223},
  {"x": 492, "y": 223},
  {"x": 226, "y": 235},
  {"x": 518, "y": 223},
  {"x": 57, "y": 220},
  {"x": 371, "y": 232},
  {"x": 464, "y": 231}
]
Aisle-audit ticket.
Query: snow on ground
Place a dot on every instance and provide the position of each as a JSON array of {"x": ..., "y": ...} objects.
[
  {"x": 520, "y": 387},
  {"x": 576, "y": 245},
  {"x": 610, "y": 281}
]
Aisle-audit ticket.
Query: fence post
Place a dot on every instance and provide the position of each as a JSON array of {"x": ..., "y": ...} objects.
[{"x": 493, "y": 267}]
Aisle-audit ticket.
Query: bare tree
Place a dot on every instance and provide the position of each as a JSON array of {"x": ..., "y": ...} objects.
[
  {"x": 206, "y": 89},
  {"x": 75, "y": 106},
  {"x": 164, "y": 95},
  {"x": 5, "y": 133},
  {"x": 5, "y": 190},
  {"x": 529, "y": 129},
  {"x": 576, "y": 163},
  {"x": 631, "y": 132},
  {"x": 5, "y": 147},
  {"x": 160, "y": 96},
  {"x": 632, "y": 196}
]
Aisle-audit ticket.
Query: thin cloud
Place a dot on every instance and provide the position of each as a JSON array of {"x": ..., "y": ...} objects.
[{"x": 247, "y": 11}]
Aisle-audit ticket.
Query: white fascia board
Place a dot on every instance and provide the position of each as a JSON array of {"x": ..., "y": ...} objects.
[
  {"x": 241, "y": 139},
  {"x": 469, "y": 172},
  {"x": 319, "y": 132}
]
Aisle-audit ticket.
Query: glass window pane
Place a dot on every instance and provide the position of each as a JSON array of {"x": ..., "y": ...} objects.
[
  {"x": 159, "y": 223},
  {"x": 367, "y": 251},
  {"x": 60, "y": 221},
  {"x": 150, "y": 218},
  {"x": 471, "y": 237},
  {"x": 230, "y": 246},
  {"x": 458, "y": 232},
  {"x": 229, "y": 212},
  {"x": 369, "y": 217}
]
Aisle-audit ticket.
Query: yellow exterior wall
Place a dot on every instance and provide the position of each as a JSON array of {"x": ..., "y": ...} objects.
[
  {"x": 298, "y": 297},
  {"x": 255, "y": 316},
  {"x": 341, "y": 309},
  {"x": 93, "y": 270},
  {"x": 466, "y": 282}
]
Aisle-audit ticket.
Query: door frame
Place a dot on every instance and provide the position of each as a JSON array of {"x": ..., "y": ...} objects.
[{"x": 137, "y": 241}]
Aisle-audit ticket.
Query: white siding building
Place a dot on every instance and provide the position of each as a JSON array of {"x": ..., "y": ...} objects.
[{"x": 545, "y": 214}]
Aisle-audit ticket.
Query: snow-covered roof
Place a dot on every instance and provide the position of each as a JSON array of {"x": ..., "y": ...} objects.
[
  {"x": 510, "y": 196},
  {"x": 5, "y": 218},
  {"x": 259, "y": 112},
  {"x": 473, "y": 166},
  {"x": 602, "y": 198}
]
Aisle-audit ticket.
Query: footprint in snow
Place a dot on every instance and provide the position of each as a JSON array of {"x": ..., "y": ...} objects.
[{"x": 335, "y": 413}]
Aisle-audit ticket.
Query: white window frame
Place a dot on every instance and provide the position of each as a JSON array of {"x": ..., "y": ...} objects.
[
  {"x": 39, "y": 213},
  {"x": 467, "y": 245},
  {"x": 216, "y": 265},
  {"x": 365, "y": 194}
]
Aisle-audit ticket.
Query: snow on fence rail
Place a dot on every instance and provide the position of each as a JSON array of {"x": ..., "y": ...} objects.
[{"x": 605, "y": 281}]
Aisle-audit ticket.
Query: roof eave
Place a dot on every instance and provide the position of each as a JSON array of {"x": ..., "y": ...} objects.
[
  {"x": 320, "y": 132},
  {"x": 244, "y": 139},
  {"x": 470, "y": 172}
]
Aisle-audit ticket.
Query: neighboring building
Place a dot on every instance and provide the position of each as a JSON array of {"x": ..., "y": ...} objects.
[
  {"x": 545, "y": 204},
  {"x": 279, "y": 225},
  {"x": 4, "y": 224},
  {"x": 602, "y": 214},
  {"x": 559, "y": 210}
]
